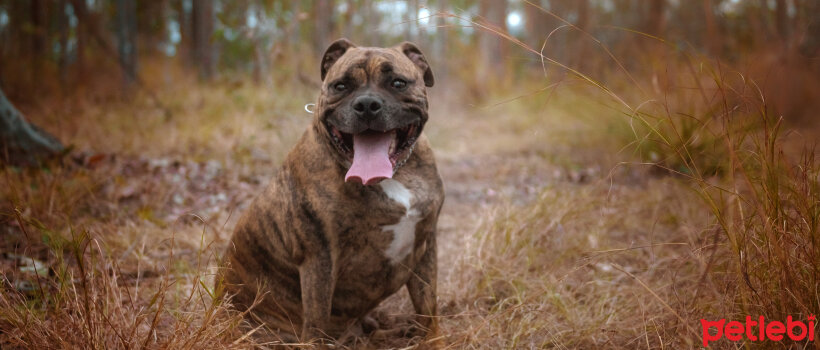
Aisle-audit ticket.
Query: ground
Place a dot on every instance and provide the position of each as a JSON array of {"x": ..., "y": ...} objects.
[{"x": 552, "y": 233}]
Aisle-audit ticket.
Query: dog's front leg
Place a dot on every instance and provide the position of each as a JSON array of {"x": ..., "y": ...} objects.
[
  {"x": 317, "y": 281},
  {"x": 422, "y": 287}
]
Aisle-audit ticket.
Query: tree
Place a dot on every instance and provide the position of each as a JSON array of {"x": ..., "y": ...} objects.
[
  {"x": 442, "y": 38},
  {"x": 781, "y": 21},
  {"x": 323, "y": 16},
  {"x": 656, "y": 21},
  {"x": 712, "y": 38},
  {"x": 127, "y": 39},
  {"x": 81, "y": 11},
  {"x": 62, "y": 23},
  {"x": 811, "y": 41},
  {"x": 583, "y": 25},
  {"x": 202, "y": 23},
  {"x": 38, "y": 34},
  {"x": 492, "y": 46},
  {"x": 20, "y": 141},
  {"x": 536, "y": 22}
]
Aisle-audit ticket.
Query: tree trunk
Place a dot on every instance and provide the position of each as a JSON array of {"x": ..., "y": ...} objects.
[
  {"x": 370, "y": 20},
  {"x": 811, "y": 41},
  {"x": 581, "y": 40},
  {"x": 22, "y": 143},
  {"x": 440, "y": 41},
  {"x": 712, "y": 38},
  {"x": 583, "y": 15},
  {"x": 493, "y": 47},
  {"x": 203, "y": 24},
  {"x": 38, "y": 37},
  {"x": 656, "y": 20},
  {"x": 412, "y": 20},
  {"x": 127, "y": 39},
  {"x": 185, "y": 46},
  {"x": 347, "y": 26},
  {"x": 532, "y": 25},
  {"x": 781, "y": 21},
  {"x": 560, "y": 40},
  {"x": 323, "y": 17},
  {"x": 62, "y": 62},
  {"x": 80, "y": 11}
]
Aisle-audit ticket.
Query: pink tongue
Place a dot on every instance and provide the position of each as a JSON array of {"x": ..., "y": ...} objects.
[{"x": 371, "y": 161}]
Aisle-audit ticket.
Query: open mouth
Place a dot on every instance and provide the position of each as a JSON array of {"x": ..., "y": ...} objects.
[
  {"x": 374, "y": 155},
  {"x": 401, "y": 140}
]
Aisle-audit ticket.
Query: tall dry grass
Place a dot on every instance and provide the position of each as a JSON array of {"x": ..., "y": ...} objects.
[
  {"x": 710, "y": 126},
  {"x": 82, "y": 299}
]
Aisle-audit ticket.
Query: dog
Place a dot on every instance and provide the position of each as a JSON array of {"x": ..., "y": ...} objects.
[{"x": 351, "y": 215}]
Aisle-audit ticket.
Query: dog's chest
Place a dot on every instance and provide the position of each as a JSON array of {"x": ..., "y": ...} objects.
[
  {"x": 404, "y": 231},
  {"x": 382, "y": 227}
]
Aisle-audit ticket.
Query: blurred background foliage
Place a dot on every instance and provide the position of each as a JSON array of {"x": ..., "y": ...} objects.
[{"x": 66, "y": 46}]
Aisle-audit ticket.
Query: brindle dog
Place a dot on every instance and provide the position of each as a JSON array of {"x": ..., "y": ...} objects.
[{"x": 351, "y": 216}]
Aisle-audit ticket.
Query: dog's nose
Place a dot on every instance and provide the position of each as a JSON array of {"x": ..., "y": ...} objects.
[{"x": 367, "y": 105}]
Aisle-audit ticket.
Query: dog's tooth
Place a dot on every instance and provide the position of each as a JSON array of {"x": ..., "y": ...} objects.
[{"x": 393, "y": 144}]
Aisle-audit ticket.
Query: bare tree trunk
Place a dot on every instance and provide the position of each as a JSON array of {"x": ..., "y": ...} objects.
[
  {"x": 581, "y": 41},
  {"x": 759, "y": 17},
  {"x": 81, "y": 12},
  {"x": 21, "y": 142},
  {"x": 62, "y": 62},
  {"x": 811, "y": 41},
  {"x": 712, "y": 38},
  {"x": 127, "y": 39},
  {"x": 347, "y": 26},
  {"x": 38, "y": 37},
  {"x": 781, "y": 21},
  {"x": 202, "y": 23},
  {"x": 532, "y": 25},
  {"x": 493, "y": 47},
  {"x": 295, "y": 34},
  {"x": 583, "y": 15},
  {"x": 185, "y": 46},
  {"x": 324, "y": 24},
  {"x": 440, "y": 41},
  {"x": 537, "y": 27},
  {"x": 656, "y": 20},
  {"x": 371, "y": 20},
  {"x": 413, "y": 25},
  {"x": 261, "y": 73},
  {"x": 629, "y": 13},
  {"x": 562, "y": 9}
]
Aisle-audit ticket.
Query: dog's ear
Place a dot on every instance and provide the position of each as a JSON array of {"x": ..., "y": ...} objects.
[
  {"x": 414, "y": 54},
  {"x": 333, "y": 52}
]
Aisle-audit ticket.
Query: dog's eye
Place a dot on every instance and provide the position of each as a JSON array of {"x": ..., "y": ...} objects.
[
  {"x": 340, "y": 86},
  {"x": 399, "y": 84}
]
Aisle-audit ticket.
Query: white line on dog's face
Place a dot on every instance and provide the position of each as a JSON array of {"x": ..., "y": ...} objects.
[{"x": 404, "y": 231}]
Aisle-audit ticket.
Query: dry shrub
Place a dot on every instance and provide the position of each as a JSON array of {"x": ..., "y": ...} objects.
[{"x": 764, "y": 198}]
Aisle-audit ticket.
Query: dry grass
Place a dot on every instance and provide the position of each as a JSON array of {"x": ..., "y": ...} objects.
[
  {"x": 567, "y": 270},
  {"x": 736, "y": 234},
  {"x": 83, "y": 299},
  {"x": 558, "y": 230}
]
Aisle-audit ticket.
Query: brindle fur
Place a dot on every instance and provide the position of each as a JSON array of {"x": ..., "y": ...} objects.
[{"x": 312, "y": 246}]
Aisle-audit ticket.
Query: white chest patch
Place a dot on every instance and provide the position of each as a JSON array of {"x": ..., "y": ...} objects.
[{"x": 404, "y": 231}]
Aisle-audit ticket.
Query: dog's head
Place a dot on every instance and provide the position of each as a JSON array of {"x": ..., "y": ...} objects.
[{"x": 373, "y": 106}]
